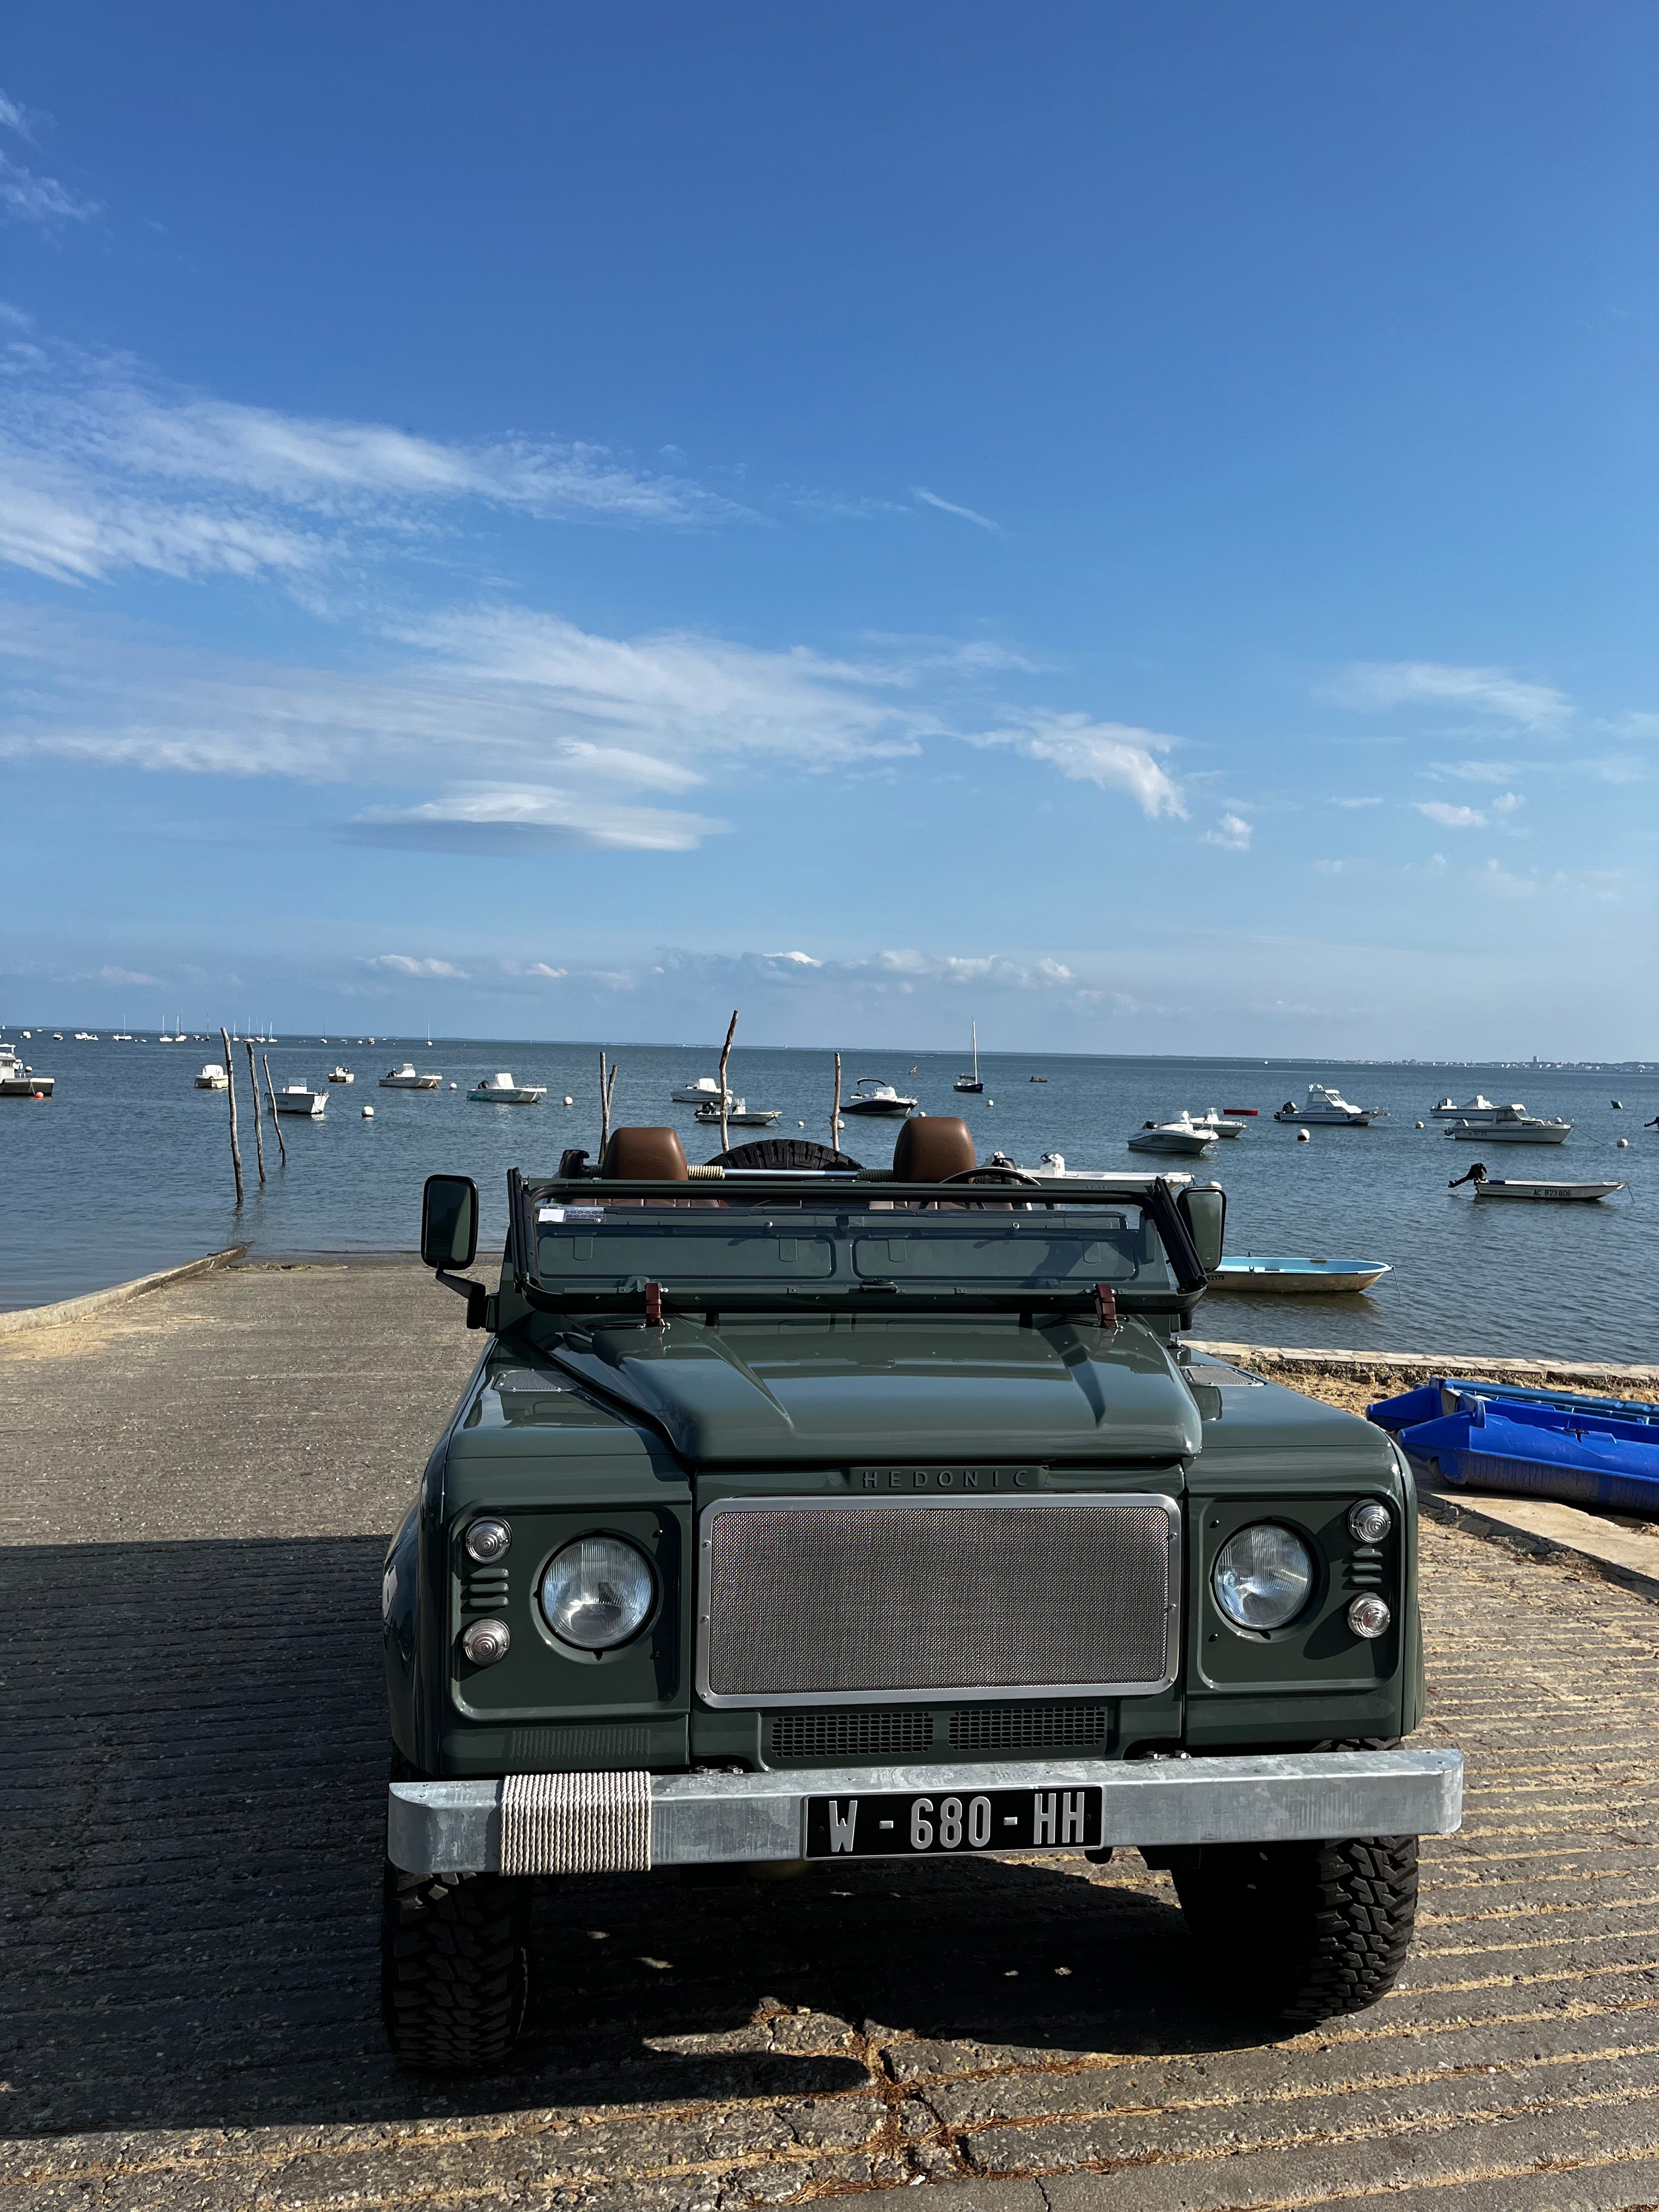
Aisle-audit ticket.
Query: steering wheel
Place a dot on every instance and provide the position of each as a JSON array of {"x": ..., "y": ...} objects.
[{"x": 996, "y": 1175}]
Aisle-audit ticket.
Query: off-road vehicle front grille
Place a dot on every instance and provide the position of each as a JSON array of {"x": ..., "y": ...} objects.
[
  {"x": 1027, "y": 1728},
  {"x": 868, "y": 1732},
  {"x": 824, "y": 1601}
]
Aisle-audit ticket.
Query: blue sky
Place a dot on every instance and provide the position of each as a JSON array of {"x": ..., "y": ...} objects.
[{"x": 1133, "y": 525}]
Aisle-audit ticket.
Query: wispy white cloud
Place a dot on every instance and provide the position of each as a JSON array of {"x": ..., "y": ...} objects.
[
  {"x": 1449, "y": 816},
  {"x": 1113, "y": 754},
  {"x": 1232, "y": 831},
  {"x": 501, "y": 818},
  {"x": 1377, "y": 684},
  {"x": 29, "y": 198},
  {"x": 1354, "y": 802},
  {"x": 123, "y": 976},
  {"x": 405, "y": 964},
  {"x": 950, "y": 506}
]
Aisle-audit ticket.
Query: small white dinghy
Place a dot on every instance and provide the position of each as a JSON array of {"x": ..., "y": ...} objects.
[
  {"x": 341, "y": 1075},
  {"x": 300, "y": 1098},
  {"x": 739, "y": 1115},
  {"x": 213, "y": 1077},
  {"x": 1523, "y": 1186},
  {"x": 406, "y": 1079},
  {"x": 499, "y": 1090},
  {"x": 1294, "y": 1277}
]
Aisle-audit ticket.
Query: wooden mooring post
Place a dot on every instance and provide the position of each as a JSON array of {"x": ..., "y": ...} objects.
[
  {"x": 230, "y": 1092},
  {"x": 258, "y": 1115},
  {"x": 834, "y": 1111},
  {"x": 276, "y": 1122},
  {"x": 726, "y": 1055}
]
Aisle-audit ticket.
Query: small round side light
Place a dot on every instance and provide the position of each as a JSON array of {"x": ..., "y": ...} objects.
[
  {"x": 486, "y": 1542},
  {"x": 487, "y": 1641},
  {"x": 1368, "y": 1617},
  {"x": 1369, "y": 1521}
]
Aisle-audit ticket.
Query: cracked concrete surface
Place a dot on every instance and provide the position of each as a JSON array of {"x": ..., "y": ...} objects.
[{"x": 198, "y": 1489}]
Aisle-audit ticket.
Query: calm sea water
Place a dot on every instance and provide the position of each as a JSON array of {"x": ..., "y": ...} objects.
[{"x": 127, "y": 1169}]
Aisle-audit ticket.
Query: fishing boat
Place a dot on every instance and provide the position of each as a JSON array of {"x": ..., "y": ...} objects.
[
  {"x": 1570, "y": 1194},
  {"x": 1299, "y": 1277},
  {"x": 1531, "y": 1450},
  {"x": 971, "y": 1083},
  {"x": 341, "y": 1075},
  {"x": 1513, "y": 1125},
  {"x": 872, "y": 1097},
  {"x": 739, "y": 1115},
  {"x": 1327, "y": 1108},
  {"x": 17, "y": 1081},
  {"x": 1179, "y": 1136},
  {"x": 1430, "y": 1401},
  {"x": 300, "y": 1098},
  {"x": 405, "y": 1079},
  {"x": 501, "y": 1090},
  {"x": 698, "y": 1091},
  {"x": 213, "y": 1077},
  {"x": 1219, "y": 1125}
]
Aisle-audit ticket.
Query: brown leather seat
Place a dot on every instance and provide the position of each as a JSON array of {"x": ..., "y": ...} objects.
[
  {"x": 644, "y": 1156},
  {"x": 931, "y": 1147}
]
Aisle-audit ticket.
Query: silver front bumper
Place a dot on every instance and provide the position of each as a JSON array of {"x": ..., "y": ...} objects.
[{"x": 702, "y": 1819}]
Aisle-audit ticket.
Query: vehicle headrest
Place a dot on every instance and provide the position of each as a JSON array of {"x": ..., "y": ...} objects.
[
  {"x": 644, "y": 1156},
  {"x": 931, "y": 1147}
]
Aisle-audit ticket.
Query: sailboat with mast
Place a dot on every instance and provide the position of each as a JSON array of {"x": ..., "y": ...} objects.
[{"x": 971, "y": 1083}]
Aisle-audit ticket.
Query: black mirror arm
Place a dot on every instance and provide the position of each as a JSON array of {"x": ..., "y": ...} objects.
[{"x": 474, "y": 1293}]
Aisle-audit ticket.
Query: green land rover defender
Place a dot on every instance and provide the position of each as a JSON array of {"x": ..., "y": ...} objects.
[{"x": 797, "y": 1511}]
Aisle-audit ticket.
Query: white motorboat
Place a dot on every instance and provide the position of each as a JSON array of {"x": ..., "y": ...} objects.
[
  {"x": 698, "y": 1091},
  {"x": 1327, "y": 1108},
  {"x": 341, "y": 1075},
  {"x": 1181, "y": 1136},
  {"x": 739, "y": 1115},
  {"x": 971, "y": 1084},
  {"x": 17, "y": 1081},
  {"x": 1524, "y": 1187},
  {"x": 871, "y": 1097},
  {"x": 1513, "y": 1125},
  {"x": 300, "y": 1098},
  {"x": 501, "y": 1090},
  {"x": 1218, "y": 1124},
  {"x": 1477, "y": 1108},
  {"x": 213, "y": 1077},
  {"x": 406, "y": 1079}
]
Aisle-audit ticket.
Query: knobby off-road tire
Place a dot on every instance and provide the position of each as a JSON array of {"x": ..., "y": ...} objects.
[
  {"x": 454, "y": 1967},
  {"x": 1312, "y": 1930}
]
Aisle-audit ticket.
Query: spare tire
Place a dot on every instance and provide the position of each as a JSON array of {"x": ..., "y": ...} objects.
[{"x": 785, "y": 1152}]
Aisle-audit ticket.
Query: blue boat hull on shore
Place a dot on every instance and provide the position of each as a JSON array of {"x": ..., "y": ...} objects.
[
  {"x": 1441, "y": 1396},
  {"x": 1574, "y": 1456}
]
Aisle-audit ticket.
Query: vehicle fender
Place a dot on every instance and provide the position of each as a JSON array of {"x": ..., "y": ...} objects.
[{"x": 399, "y": 1590}]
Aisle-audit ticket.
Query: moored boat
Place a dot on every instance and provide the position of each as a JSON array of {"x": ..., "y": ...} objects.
[
  {"x": 971, "y": 1083},
  {"x": 1218, "y": 1124},
  {"x": 499, "y": 1090},
  {"x": 739, "y": 1115},
  {"x": 1523, "y": 1187},
  {"x": 300, "y": 1098},
  {"x": 1299, "y": 1277},
  {"x": 213, "y": 1077},
  {"x": 1477, "y": 1108},
  {"x": 341, "y": 1075},
  {"x": 1180, "y": 1137},
  {"x": 697, "y": 1091},
  {"x": 1513, "y": 1125},
  {"x": 1327, "y": 1108},
  {"x": 871, "y": 1096},
  {"x": 19, "y": 1081},
  {"x": 406, "y": 1079}
]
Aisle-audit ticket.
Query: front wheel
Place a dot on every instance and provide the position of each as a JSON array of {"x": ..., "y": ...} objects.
[
  {"x": 1302, "y": 1931},
  {"x": 454, "y": 1967}
]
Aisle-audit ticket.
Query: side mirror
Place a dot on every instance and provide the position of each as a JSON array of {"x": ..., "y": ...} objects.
[
  {"x": 1203, "y": 1208},
  {"x": 449, "y": 1221}
]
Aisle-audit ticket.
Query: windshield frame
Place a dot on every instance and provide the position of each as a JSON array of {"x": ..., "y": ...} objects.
[{"x": 852, "y": 1193}]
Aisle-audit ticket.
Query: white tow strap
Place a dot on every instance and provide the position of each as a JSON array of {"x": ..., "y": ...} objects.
[{"x": 576, "y": 1824}]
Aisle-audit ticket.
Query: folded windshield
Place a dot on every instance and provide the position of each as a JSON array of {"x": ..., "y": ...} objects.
[{"x": 708, "y": 1249}]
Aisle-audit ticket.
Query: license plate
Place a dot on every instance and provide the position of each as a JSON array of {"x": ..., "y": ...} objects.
[{"x": 963, "y": 1821}]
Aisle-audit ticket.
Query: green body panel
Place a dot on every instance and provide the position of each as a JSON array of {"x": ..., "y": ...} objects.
[{"x": 569, "y": 1430}]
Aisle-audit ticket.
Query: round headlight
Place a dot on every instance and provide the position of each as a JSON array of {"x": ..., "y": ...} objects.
[
  {"x": 597, "y": 1592},
  {"x": 486, "y": 1541},
  {"x": 1263, "y": 1576},
  {"x": 1369, "y": 1521}
]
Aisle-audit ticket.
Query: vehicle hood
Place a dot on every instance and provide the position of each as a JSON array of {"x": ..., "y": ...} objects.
[{"x": 892, "y": 1389}]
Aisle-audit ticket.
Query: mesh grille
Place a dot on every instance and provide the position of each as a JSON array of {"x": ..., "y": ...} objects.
[
  {"x": 1021, "y": 1727},
  {"x": 825, "y": 1600},
  {"x": 862, "y": 1734}
]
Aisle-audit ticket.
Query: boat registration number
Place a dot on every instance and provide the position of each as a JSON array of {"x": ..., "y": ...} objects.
[{"x": 907, "y": 1826}]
